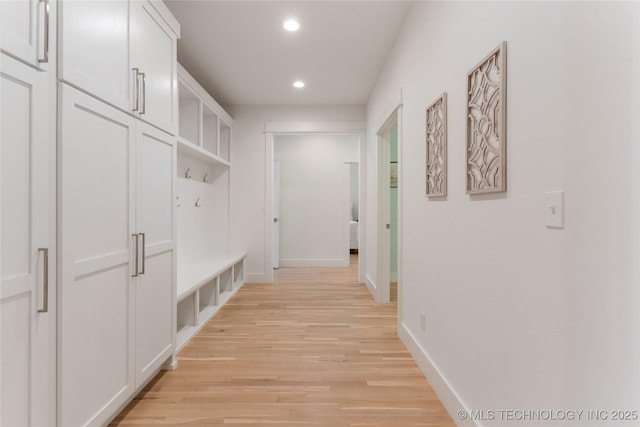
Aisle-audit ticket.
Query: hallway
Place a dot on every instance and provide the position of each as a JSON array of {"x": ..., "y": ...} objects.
[{"x": 311, "y": 349}]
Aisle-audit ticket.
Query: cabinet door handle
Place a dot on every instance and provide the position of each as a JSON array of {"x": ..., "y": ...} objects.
[
  {"x": 45, "y": 59},
  {"x": 144, "y": 256},
  {"x": 135, "y": 259},
  {"x": 136, "y": 90},
  {"x": 144, "y": 93},
  {"x": 45, "y": 281}
]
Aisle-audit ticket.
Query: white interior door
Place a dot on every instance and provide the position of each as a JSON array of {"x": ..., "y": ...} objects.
[
  {"x": 27, "y": 324},
  {"x": 154, "y": 286},
  {"x": 96, "y": 340},
  {"x": 275, "y": 239},
  {"x": 384, "y": 227}
]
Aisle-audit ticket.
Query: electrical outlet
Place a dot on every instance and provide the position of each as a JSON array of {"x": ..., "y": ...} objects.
[{"x": 423, "y": 321}]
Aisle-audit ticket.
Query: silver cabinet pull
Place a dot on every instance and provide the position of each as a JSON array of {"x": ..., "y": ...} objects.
[
  {"x": 136, "y": 90},
  {"x": 45, "y": 59},
  {"x": 135, "y": 262},
  {"x": 144, "y": 93},
  {"x": 144, "y": 256},
  {"x": 45, "y": 281}
]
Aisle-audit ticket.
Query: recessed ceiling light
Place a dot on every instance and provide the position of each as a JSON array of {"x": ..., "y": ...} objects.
[
  {"x": 291, "y": 25},
  {"x": 298, "y": 84}
]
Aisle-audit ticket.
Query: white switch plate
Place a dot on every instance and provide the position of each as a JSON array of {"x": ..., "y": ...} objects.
[{"x": 554, "y": 209}]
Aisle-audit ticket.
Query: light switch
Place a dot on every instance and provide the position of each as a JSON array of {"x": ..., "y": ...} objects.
[{"x": 554, "y": 209}]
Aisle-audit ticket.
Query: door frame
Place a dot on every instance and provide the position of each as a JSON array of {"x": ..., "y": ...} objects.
[
  {"x": 383, "y": 273},
  {"x": 284, "y": 128}
]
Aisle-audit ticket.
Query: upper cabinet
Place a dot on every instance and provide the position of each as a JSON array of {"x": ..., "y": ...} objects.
[
  {"x": 123, "y": 52},
  {"x": 153, "y": 57},
  {"x": 24, "y": 30}
]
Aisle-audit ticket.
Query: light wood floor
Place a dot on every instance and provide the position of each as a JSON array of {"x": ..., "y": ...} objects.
[{"x": 311, "y": 349}]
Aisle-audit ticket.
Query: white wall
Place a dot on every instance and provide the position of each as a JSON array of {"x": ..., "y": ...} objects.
[
  {"x": 202, "y": 231},
  {"x": 248, "y": 186},
  {"x": 520, "y": 316},
  {"x": 314, "y": 198}
]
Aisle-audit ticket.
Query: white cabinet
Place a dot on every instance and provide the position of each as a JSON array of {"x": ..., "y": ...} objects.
[
  {"x": 24, "y": 30},
  {"x": 155, "y": 284},
  {"x": 117, "y": 257},
  {"x": 27, "y": 284},
  {"x": 123, "y": 52},
  {"x": 153, "y": 55},
  {"x": 94, "y": 49}
]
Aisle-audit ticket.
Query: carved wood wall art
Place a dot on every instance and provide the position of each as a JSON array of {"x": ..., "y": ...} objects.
[
  {"x": 487, "y": 124},
  {"x": 436, "y": 120}
]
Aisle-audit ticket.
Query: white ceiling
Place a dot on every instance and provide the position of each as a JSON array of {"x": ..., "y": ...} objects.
[{"x": 240, "y": 53}]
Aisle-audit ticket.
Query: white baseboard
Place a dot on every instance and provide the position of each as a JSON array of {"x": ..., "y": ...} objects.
[
  {"x": 370, "y": 285},
  {"x": 448, "y": 396},
  {"x": 304, "y": 262}
]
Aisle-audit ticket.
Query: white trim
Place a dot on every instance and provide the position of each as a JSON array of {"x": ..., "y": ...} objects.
[
  {"x": 268, "y": 208},
  {"x": 446, "y": 393},
  {"x": 370, "y": 285},
  {"x": 362, "y": 208},
  {"x": 313, "y": 262},
  {"x": 383, "y": 251},
  {"x": 383, "y": 255},
  {"x": 346, "y": 214},
  {"x": 399, "y": 265}
]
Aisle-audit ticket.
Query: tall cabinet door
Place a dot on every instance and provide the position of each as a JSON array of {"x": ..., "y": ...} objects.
[
  {"x": 153, "y": 52},
  {"x": 27, "y": 315},
  {"x": 155, "y": 285},
  {"x": 96, "y": 343},
  {"x": 18, "y": 29},
  {"x": 94, "y": 49}
]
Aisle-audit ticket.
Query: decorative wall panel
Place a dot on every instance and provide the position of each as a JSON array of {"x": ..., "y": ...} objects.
[
  {"x": 486, "y": 124},
  {"x": 437, "y": 147}
]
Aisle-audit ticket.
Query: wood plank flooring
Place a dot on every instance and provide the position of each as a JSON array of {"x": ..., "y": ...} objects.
[{"x": 311, "y": 349}]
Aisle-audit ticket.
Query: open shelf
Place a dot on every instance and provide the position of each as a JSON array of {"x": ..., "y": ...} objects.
[
  {"x": 186, "y": 318},
  {"x": 208, "y": 295},
  {"x": 190, "y": 149},
  {"x": 226, "y": 285},
  {"x": 189, "y": 114},
  {"x": 238, "y": 273},
  {"x": 209, "y": 130},
  {"x": 204, "y": 127}
]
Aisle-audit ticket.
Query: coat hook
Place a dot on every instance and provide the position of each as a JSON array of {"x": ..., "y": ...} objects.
[
  {"x": 179, "y": 204},
  {"x": 186, "y": 174},
  {"x": 198, "y": 202},
  {"x": 204, "y": 178}
]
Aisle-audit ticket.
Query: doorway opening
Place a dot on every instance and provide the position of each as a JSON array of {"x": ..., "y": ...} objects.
[
  {"x": 309, "y": 207},
  {"x": 389, "y": 203}
]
